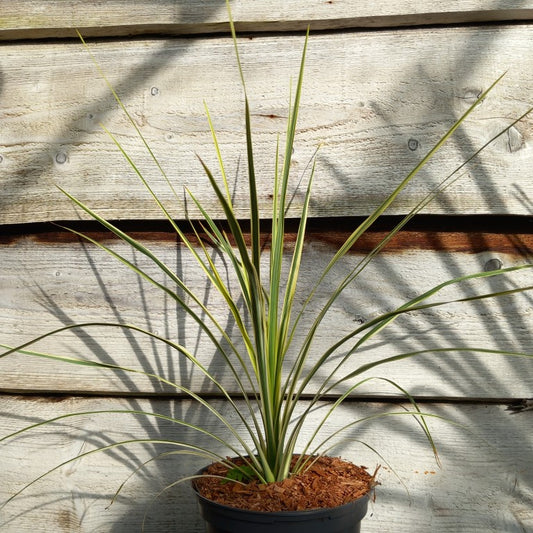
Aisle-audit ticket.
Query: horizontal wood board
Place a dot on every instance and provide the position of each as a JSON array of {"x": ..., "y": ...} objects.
[
  {"x": 375, "y": 101},
  {"x": 49, "y": 280},
  {"x": 30, "y": 19},
  {"x": 485, "y": 484}
]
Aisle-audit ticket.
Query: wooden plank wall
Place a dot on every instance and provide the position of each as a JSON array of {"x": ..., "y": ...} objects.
[{"x": 384, "y": 80}]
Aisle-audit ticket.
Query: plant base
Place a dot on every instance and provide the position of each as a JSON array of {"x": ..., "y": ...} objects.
[{"x": 331, "y": 497}]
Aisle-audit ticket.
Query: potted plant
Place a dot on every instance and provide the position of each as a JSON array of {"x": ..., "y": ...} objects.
[{"x": 267, "y": 481}]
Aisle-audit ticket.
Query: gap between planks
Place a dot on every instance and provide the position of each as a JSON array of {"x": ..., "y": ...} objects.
[{"x": 474, "y": 234}]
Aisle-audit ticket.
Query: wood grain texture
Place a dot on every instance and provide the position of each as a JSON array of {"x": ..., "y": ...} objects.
[
  {"x": 486, "y": 483},
  {"x": 376, "y": 101},
  {"x": 29, "y": 19},
  {"x": 49, "y": 283}
]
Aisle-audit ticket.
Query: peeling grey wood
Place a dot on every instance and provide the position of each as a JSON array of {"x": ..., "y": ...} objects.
[
  {"x": 47, "y": 285},
  {"x": 30, "y": 19},
  {"x": 486, "y": 483},
  {"x": 376, "y": 112}
]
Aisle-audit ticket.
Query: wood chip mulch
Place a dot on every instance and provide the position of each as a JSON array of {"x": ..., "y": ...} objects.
[{"x": 329, "y": 482}]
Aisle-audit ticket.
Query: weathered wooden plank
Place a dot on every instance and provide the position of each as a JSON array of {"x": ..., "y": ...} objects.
[
  {"x": 486, "y": 483},
  {"x": 30, "y": 20},
  {"x": 47, "y": 281},
  {"x": 376, "y": 111}
]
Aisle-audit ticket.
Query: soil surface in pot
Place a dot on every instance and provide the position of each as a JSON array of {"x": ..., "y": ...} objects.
[{"x": 329, "y": 482}]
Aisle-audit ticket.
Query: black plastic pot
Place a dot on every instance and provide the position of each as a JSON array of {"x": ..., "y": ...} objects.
[{"x": 223, "y": 519}]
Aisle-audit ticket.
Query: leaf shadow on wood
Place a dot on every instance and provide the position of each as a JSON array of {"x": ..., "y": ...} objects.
[
  {"x": 89, "y": 114},
  {"x": 106, "y": 279},
  {"x": 482, "y": 183},
  {"x": 91, "y": 343},
  {"x": 122, "y": 297},
  {"x": 506, "y": 323}
]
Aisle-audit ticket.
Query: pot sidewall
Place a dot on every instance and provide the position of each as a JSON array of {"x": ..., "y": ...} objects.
[{"x": 224, "y": 519}]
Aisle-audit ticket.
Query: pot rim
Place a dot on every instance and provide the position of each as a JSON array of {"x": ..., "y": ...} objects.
[{"x": 362, "y": 500}]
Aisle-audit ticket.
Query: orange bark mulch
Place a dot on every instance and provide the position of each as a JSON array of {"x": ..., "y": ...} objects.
[{"x": 329, "y": 482}]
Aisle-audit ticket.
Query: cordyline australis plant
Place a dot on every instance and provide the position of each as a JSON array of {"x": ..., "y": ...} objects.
[{"x": 264, "y": 311}]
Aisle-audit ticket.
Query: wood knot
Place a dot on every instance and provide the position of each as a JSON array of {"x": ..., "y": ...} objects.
[{"x": 515, "y": 141}]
